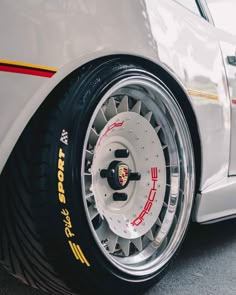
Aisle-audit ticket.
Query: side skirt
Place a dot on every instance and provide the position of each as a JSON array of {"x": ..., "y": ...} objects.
[{"x": 217, "y": 202}]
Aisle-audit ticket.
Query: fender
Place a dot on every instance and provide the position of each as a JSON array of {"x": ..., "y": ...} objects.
[{"x": 70, "y": 47}]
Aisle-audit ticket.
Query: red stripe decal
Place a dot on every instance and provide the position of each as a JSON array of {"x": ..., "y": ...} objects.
[
  {"x": 234, "y": 101},
  {"x": 26, "y": 71}
]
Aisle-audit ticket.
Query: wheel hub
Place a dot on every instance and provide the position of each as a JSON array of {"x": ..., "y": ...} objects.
[
  {"x": 130, "y": 201},
  {"x": 119, "y": 175}
]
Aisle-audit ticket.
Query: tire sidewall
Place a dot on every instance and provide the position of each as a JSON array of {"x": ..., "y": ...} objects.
[{"x": 62, "y": 221}]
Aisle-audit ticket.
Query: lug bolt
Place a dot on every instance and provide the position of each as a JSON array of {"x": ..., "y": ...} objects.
[
  {"x": 134, "y": 176},
  {"x": 107, "y": 173},
  {"x": 122, "y": 153},
  {"x": 120, "y": 197}
]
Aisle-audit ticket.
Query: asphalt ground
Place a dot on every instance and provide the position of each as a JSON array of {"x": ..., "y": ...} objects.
[{"x": 206, "y": 265}]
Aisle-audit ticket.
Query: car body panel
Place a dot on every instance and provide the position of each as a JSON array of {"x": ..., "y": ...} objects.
[
  {"x": 217, "y": 202},
  {"x": 226, "y": 33},
  {"x": 66, "y": 34},
  {"x": 182, "y": 48},
  {"x": 228, "y": 46}
]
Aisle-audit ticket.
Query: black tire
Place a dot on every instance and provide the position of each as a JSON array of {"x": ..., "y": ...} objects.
[{"x": 46, "y": 239}]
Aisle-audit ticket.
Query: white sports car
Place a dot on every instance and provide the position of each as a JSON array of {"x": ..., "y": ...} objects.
[{"x": 117, "y": 128}]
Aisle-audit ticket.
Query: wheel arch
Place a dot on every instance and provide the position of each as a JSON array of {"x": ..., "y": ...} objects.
[
  {"x": 173, "y": 84},
  {"x": 177, "y": 89}
]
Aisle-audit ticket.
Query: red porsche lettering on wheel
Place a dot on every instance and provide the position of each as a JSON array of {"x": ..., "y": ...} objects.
[
  {"x": 151, "y": 197},
  {"x": 109, "y": 128}
]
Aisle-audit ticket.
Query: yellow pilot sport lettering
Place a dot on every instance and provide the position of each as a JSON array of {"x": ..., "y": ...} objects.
[{"x": 60, "y": 175}]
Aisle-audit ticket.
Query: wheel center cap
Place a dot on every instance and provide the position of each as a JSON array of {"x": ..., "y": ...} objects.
[
  {"x": 118, "y": 175},
  {"x": 123, "y": 174}
]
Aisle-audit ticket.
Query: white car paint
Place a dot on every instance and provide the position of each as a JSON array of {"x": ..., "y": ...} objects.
[{"x": 65, "y": 34}]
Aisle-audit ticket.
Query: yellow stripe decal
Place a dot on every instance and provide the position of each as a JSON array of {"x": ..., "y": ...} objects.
[
  {"x": 197, "y": 93},
  {"x": 78, "y": 253},
  {"x": 27, "y": 65},
  {"x": 207, "y": 95},
  {"x": 202, "y": 94},
  {"x": 73, "y": 250},
  {"x": 82, "y": 255}
]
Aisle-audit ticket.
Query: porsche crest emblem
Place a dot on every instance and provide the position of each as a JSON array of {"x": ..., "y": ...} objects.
[{"x": 123, "y": 174}]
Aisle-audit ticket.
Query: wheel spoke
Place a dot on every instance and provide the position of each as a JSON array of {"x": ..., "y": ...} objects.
[
  {"x": 89, "y": 155},
  {"x": 158, "y": 222},
  {"x": 88, "y": 186},
  {"x": 137, "y": 107},
  {"x": 111, "y": 109},
  {"x": 93, "y": 137},
  {"x": 157, "y": 129},
  {"x": 89, "y": 195},
  {"x": 103, "y": 231},
  {"x": 124, "y": 245},
  {"x": 87, "y": 174},
  {"x": 148, "y": 116},
  {"x": 112, "y": 241},
  {"x": 90, "y": 198},
  {"x": 124, "y": 105},
  {"x": 93, "y": 212},
  {"x": 100, "y": 121},
  {"x": 149, "y": 235},
  {"x": 138, "y": 243}
]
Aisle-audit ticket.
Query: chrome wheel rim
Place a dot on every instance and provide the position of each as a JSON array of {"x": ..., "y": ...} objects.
[{"x": 142, "y": 230}]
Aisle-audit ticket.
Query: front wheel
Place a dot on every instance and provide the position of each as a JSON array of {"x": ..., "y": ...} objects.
[{"x": 113, "y": 182}]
